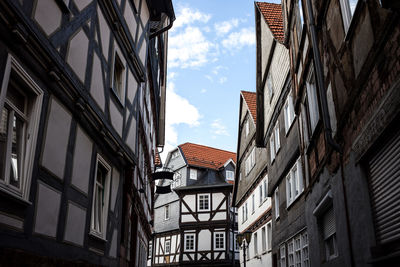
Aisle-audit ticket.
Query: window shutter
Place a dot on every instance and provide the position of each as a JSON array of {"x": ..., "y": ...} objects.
[
  {"x": 385, "y": 191},
  {"x": 328, "y": 223}
]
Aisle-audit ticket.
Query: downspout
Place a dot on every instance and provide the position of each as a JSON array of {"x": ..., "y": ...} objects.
[
  {"x": 325, "y": 117},
  {"x": 157, "y": 33}
]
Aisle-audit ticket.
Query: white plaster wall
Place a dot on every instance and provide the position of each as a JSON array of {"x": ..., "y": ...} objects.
[
  {"x": 48, "y": 15},
  {"x": 258, "y": 211},
  {"x": 204, "y": 240},
  {"x": 96, "y": 84},
  {"x": 77, "y": 54},
  {"x": 190, "y": 200},
  {"x": 217, "y": 198}
]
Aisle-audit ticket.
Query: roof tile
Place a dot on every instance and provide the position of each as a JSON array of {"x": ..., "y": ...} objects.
[
  {"x": 251, "y": 100},
  {"x": 206, "y": 157},
  {"x": 273, "y": 16}
]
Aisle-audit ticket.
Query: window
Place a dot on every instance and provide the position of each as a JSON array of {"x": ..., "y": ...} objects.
[
  {"x": 288, "y": 113},
  {"x": 237, "y": 246},
  {"x": 167, "y": 247},
  {"x": 304, "y": 250},
  {"x": 300, "y": 20},
  {"x": 277, "y": 139},
  {"x": 247, "y": 127},
  {"x": 230, "y": 175},
  {"x": 290, "y": 254},
  {"x": 272, "y": 148},
  {"x": 177, "y": 179},
  {"x": 166, "y": 212},
  {"x": 204, "y": 202},
  {"x": 253, "y": 202},
  {"x": 294, "y": 183},
  {"x": 100, "y": 198},
  {"x": 219, "y": 241},
  {"x": 270, "y": 86},
  {"x": 265, "y": 183},
  {"x": 329, "y": 234},
  {"x": 283, "y": 256},
  {"x": 189, "y": 242},
  {"x": 20, "y": 105},
  {"x": 118, "y": 77},
  {"x": 260, "y": 191},
  {"x": 250, "y": 161},
  {"x": 269, "y": 236},
  {"x": 245, "y": 212},
  {"x": 312, "y": 100},
  {"x": 193, "y": 174},
  {"x": 243, "y": 215},
  {"x": 297, "y": 251},
  {"x": 276, "y": 197},
  {"x": 347, "y": 7},
  {"x": 263, "y": 239},
  {"x": 150, "y": 250},
  {"x": 255, "y": 241}
]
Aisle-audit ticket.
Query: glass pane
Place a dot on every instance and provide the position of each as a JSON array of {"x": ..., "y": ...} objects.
[
  {"x": 3, "y": 140},
  {"x": 16, "y": 97},
  {"x": 16, "y": 152}
]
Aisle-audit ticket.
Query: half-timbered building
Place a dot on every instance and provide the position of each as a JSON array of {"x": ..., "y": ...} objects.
[
  {"x": 250, "y": 191},
  {"x": 82, "y": 114},
  {"x": 195, "y": 224}
]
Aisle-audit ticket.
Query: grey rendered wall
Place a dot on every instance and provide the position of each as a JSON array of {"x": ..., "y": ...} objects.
[{"x": 162, "y": 225}]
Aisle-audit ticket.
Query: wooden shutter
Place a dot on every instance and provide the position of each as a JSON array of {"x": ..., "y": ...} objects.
[{"x": 384, "y": 170}]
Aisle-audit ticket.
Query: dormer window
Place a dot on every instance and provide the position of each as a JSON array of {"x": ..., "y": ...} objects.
[
  {"x": 230, "y": 175},
  {"x": 193, "y": 174}
]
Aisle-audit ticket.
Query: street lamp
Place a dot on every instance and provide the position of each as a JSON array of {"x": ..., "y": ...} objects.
[{"x": 245, "y": 236}]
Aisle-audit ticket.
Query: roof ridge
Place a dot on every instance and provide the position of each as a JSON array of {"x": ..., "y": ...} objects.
[{"x": 220, "y": 149}]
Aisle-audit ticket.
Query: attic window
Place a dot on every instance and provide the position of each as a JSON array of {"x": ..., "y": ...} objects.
[
  {"x": 230, "y": 175},
  {"x": 118, "y": 77}
]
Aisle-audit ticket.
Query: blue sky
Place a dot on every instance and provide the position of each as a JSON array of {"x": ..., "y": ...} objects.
[{"x": 211, "y": 58}]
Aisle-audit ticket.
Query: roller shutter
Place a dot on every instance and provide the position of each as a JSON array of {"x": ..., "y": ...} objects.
[{"x": 385, "y": 191}]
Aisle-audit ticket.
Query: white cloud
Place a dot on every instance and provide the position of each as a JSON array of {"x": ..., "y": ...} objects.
[
  {"x": 187, "y": 16},
  {"x": 216, "y": 69},
  {"x": 218, "y": 128},
  {"x": 209, "y": 78},
  {"x": 222, "y": 80},
  {"x": 178, "y": 111},
  {"x": 189, "y": 48},
  {"x": 239, "y": 39},
  {"x": 203, "y": 91},
  {"x": 224, "y": 27}
]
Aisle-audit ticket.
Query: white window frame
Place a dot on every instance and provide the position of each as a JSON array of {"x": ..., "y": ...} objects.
[
  {"x": 31, "y": 129},
  {"x": 230, "y": 175},
  {"x": 120, "y": 95},
  {"x": 290, "y": 249},
  {"x": 216, "y": 234},
  {"x": 167, "y": 245},
  {"x": 264, "y": 239},
  {"x": 312, "y": 100},
  {"x": 186, "y": 237},
  {"x": 277, "y": 138},
  {"x": 253, "y": 202},
  {"x": 277, "y": 204},
  {"x": 289, "y": 115},
  {"x": 282, "y": 254},
  {"x": 294, "y": 183},
  {"x": 193, "y": 174},
  {"x": 269, "y": 236},
  {"x": 305, "y": 258},
  {"x": 265, "y": 185},
  {"x": 260, "y": 192},
  {"x": 250, "y": 161},
  {"x": 166, "y": 212},
  {"x": 199, "y": 198},
  {"x": 272, "y": 147},
  {"x": 101, "y": 233},
  {"x": 255, "y": 243},
  {"x": 347, "y": 13},
  {"x": 246, "y": 211}
]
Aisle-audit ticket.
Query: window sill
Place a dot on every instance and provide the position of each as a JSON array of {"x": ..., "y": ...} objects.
[
  {"x": 14, "y": 196},
  {"x": 97, "y": 236}
]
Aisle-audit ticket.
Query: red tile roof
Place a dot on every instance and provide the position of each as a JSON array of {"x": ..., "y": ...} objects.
[
  {"x": 251, "y": 100},
  {"x": 273, "y": 16},
  {"x": 157, "y": 159},
  {"x": 206, "y": 157}
]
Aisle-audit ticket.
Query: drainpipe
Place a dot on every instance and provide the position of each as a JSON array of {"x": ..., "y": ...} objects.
[
  {"x": 325, "y": 116},
  {"x": 169, "y": 26}
]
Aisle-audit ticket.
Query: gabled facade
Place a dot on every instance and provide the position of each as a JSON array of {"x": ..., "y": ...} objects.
[
  {"x": 278, "y": 130},
  {"x": 194, "y": 224},
  {"x": 82, "y": 100},
  {"x": 343, "y": 58},
  {"x": 250, "y": 192}
]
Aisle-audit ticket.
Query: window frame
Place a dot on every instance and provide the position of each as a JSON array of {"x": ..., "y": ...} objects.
[
  {"x": 232, "y": 175},
  {"x": 31, "y": 129},
  {"x": 289, "y": 114},
  {"x": 208, "y": 202},
  {"x": 117, "y": 55},
  {"x": 277, "y": 204},
  {"x": 272, "y": 147},
  {"x": 265, "y": 185},
  {"x": 269, "y": 236},
  {"x": 264, "y": 239},
  {"x": 312, "y": 101},
  {"x": 193, "y": 173},
  {"x": 215, "y": 240},
  {"x": 277, "y": 138},
  {"x": 167, "y": 241},
  {"x": 166, "y": 212},
  {"x": 253, "y": 202},
  {"x": 347, "y": 13},
  {"x": 255, "y": 243},
  {"x": 102, "y": 233},
  {"x": 260, "y": 191},
  {"x": 186, "y": 237},
  {"x": 295, "y": 176}
]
